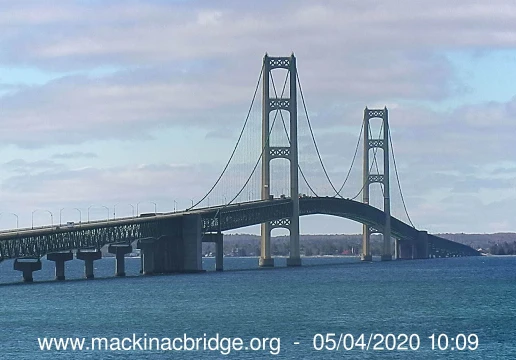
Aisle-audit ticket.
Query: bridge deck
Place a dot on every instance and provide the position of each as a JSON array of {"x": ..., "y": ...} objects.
[{"x": 36, "y": 242}]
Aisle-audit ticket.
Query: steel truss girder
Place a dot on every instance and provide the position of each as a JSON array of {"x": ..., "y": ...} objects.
[
  {"x": 40, "y": 245},
  {"x": 245, "y": 215},
  {"x": 375, "y": 219}
]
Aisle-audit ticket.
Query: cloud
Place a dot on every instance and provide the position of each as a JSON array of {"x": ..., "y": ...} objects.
[
  {"x": 131, "y": 32},
  {"x": 134, "y": 68},
  {"x": 183, "y": 65},
  {"x": 75, "y": 155},
  {"x": 23, "y": 166}
]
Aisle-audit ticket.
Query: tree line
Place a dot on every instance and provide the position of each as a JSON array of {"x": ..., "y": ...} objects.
[{"x": 339, "y": 244}]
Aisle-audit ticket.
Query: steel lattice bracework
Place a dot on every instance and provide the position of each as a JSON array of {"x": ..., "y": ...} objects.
[
  {"x": 287, "y": 152},
  {"x": 383, "y": 179}
]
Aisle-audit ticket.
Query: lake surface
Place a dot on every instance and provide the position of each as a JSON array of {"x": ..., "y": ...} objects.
[{"x": 475, "y": 297}]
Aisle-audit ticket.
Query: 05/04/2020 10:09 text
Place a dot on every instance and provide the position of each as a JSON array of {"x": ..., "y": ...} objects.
[{"x": 392, "y": 342}]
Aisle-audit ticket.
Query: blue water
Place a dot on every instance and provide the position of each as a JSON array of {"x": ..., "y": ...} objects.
[{"x": 333, "y": 295}]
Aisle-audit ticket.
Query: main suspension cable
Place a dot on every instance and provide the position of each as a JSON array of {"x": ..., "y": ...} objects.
[
  {"x": 352, "y": 162},
  {"x": 375, "y": 150},
  {"x": 263, "y": 147},
  {"x": 398, "y": 180},
  {"x": 312, "y": 134},
  {"x": 236, "y": 146},
  {"x": 257, "y": 162}
]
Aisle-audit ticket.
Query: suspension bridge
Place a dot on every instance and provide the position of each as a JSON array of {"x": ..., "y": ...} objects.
[{"x": 259, "y": 185}]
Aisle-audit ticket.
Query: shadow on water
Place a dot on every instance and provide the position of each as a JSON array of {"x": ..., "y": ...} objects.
[{"x": 354, "y": 261}]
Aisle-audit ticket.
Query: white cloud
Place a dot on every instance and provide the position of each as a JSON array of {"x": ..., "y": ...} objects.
[{"x": 194, "y": 66}]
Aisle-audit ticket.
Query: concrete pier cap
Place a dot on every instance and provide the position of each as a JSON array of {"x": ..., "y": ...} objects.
[
  {"x": 117, "y": 248},
  {"x": 60, "y": 258},
  {"x": 89, "y": 256},
  {"x": 27, "y": 266},
  {"x": 120, "y": 250}
]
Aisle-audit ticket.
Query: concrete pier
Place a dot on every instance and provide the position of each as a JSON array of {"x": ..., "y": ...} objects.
[
  {"x": 266, "y": 262},
  {"x": 120, "y": 250},
  {"x": 192, "y": 243},
  {"x": 218, "y": 239},
  {"x": 366, "y": 238},
  {"x": 294, "y": 261},
  {"x": 405, "y": 251},
  {"x": 386, "y": 257},
  {"x": 421, "y": 248},
  {"x": 219, "y": 255},
  {"x": 168, "y": 256},
  {"x": 177, "y": 252},
  {"x": 27, "y": 266},
  {"x": 147, "y": 248},
  {"x": 89, "y": 256},
  {"x": 60, "y": 258},
  {"x": 417, "y": 249}
]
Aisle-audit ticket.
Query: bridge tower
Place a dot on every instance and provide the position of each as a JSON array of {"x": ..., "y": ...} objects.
[
  {"x": 369, "y": 178},
  {"x": 290, "y": 153}
]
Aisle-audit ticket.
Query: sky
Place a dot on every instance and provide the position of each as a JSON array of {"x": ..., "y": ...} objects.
[{"x": 140, "y": 103}]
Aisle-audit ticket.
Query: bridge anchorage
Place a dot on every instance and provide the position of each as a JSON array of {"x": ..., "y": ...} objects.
[{"x": 171, "y": 242}]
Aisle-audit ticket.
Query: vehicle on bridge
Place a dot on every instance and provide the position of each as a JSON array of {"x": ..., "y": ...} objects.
[{"x": 150, "y": 214}]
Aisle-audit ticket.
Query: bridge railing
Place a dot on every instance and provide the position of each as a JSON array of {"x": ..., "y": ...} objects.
[{"x": 60, "y": 225}]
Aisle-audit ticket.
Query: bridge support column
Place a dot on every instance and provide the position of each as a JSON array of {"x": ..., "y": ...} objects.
[
  {"x": 89, "y": 256},
  {"x": 422, "y": 246},
  {"x": 366, "y": 247},
  {"x": 120, "y": 250},
  {"x": 265, "y": 247},
  {"x": 294, "y": 258},
  {"x": 218, "y": 239},
  {"x": 60, "y": 258},
  {"x": 147, "y": 248},
  {"x": 219, "y": 255},
  {"x": 168, "y": 256},
  {"x": 192, "y": 243},
  {"x": 404, "y": 250},
  {"x": 27, "y": 266},
  {"x": 294, "y": 261}
]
